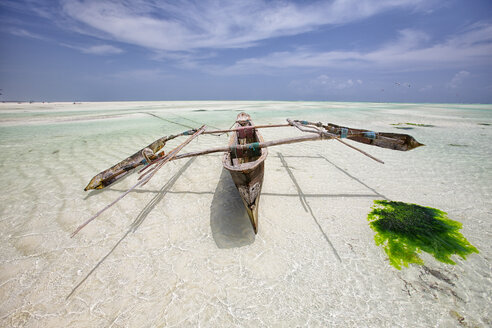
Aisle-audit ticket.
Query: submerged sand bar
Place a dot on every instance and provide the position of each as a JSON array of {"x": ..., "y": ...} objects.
[{"x": 180, "y": 251}]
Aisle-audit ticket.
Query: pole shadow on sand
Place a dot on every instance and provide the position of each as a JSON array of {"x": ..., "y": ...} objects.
[
  {"x": 139, "y": 219},
  {"x": 229, "y": 220}
]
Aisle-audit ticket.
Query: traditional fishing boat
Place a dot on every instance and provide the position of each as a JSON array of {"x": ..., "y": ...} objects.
[
  {"x": 246, "y": 167},
  {"x": 244, "y": 156}
]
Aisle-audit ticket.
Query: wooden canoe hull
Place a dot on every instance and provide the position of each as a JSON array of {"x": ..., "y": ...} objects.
[
  {"x": 249, "y": 184},
  {"x": 248, "y": 177}
]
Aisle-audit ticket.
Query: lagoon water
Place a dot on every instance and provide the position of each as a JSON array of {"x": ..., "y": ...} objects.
[{"x": 180, "y": 252}]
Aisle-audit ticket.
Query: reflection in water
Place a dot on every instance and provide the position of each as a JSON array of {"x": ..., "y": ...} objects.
[{"x": 229, "y": 220}]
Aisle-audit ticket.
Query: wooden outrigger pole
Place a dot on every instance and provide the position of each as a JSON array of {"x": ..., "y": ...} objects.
[
  {"x": 164, "y": 160},
  {"x": 243, "y": 156}
]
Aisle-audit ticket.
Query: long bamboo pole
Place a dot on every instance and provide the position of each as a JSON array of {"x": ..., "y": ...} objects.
[
  {"x": 163, "y": 160},
  {"x": 272, "y": 143},
  {"x": 322, "y": 131},
  {"x": 265, "y": 144},
  {"x": 359, "y": 150},
  {"x": 168, "y": 158},
  {"x": 256, "y": 127}
]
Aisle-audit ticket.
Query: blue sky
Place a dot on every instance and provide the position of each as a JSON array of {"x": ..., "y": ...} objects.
[{"x": 352, "y": 50}]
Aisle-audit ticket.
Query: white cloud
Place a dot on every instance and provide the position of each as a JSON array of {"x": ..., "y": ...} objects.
[
  {"x": 458, "y": 79},
  {"x": 102, "y": 49},
  {"x": 187, "y": 25},
  {"x": 141, "y": 74},
  {"x": 411, "y": 51},
  {"x": 26, "y": 34},
  {"x": 323, "y": 84}
]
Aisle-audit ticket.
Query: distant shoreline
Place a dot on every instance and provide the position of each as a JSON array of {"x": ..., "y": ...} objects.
[{"x": 222, "y": 101}]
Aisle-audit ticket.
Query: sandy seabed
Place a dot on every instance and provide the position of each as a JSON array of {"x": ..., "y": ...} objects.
[{"x": 180, "y": 251}]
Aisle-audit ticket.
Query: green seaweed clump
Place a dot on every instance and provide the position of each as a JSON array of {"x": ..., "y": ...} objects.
[{"x": 404, "y": 230}]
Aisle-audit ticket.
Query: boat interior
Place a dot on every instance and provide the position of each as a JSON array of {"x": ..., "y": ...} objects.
[{"x": 245, "y": 135}]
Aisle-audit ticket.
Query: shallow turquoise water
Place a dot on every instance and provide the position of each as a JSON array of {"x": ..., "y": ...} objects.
[{"x": 179, "y": 251}]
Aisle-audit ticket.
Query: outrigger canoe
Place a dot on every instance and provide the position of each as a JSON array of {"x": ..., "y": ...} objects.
[
  {"x": 246, "y": 166},
  {"x": 244, "y": 156}
]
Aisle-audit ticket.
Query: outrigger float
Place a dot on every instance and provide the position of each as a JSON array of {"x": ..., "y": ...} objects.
[{"x": 244, "y": 156}]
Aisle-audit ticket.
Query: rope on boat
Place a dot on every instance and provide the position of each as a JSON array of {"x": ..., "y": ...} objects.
[
  {"x": 188, "y": 119},
  {"x": 165, "y": 119},
  {"x": 181, "y": 124},
  {"x": 163, "y": 160}
]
